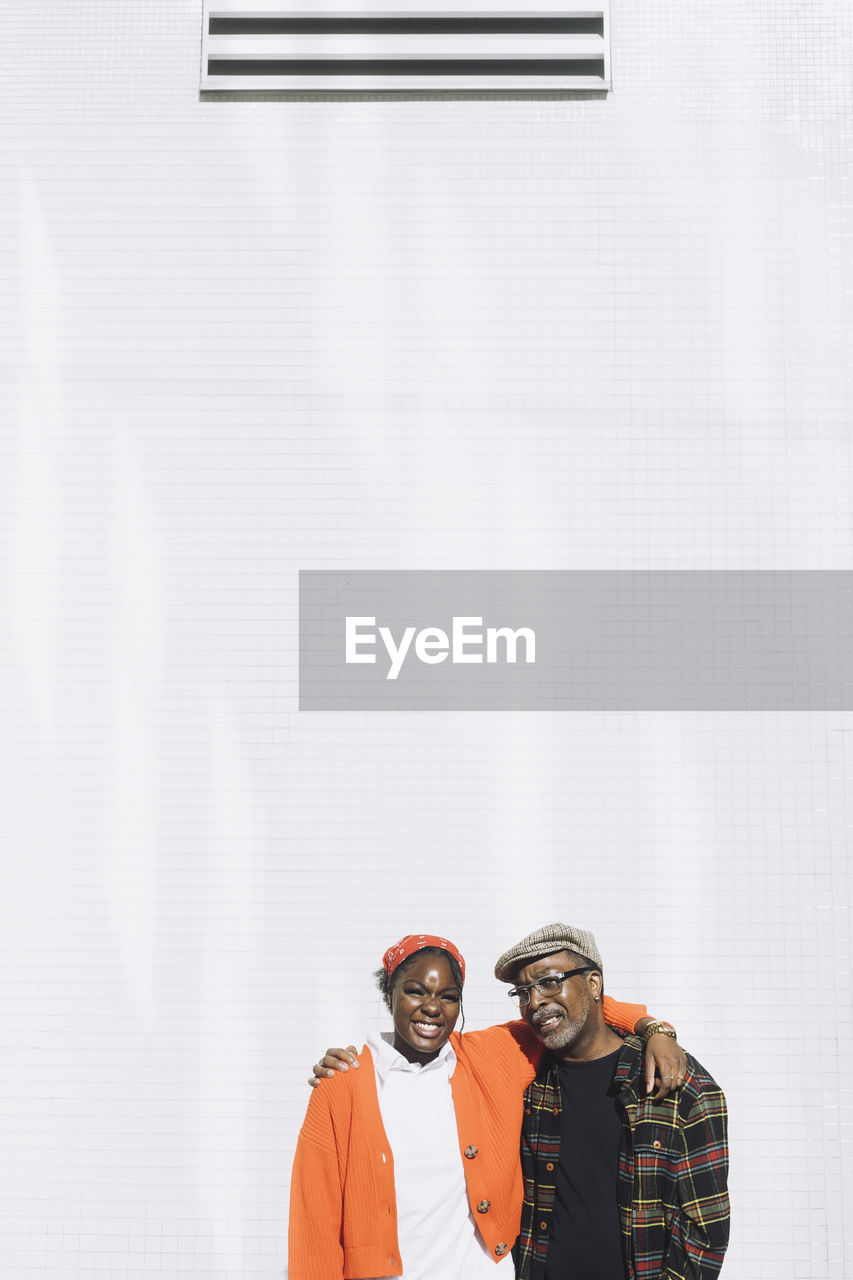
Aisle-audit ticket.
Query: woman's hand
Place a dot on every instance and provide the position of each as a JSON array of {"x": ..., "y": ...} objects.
[
  {"x": 666, "y": 1061},
  {"x": 335, "y": 1060}
]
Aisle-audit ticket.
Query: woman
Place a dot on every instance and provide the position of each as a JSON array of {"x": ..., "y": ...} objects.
[{"x": 410, "y": 1164}]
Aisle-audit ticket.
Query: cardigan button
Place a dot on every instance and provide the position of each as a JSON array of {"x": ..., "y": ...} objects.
[
  {"x": 500, "y": 1249},
  {"x": 549, "y": 1167},
  {"x": 470, "y": 1153},
  {"x": 484, "y": 1206}
]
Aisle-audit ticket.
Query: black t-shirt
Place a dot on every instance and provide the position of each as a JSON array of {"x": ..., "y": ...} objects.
[{"x": 586, "y": 1239}]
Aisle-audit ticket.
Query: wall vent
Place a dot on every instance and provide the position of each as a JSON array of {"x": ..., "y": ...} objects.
[{"x": 346, "y": 45}]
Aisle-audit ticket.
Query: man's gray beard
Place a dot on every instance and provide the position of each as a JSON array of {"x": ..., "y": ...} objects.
[{"x": 566, "y": 1032}]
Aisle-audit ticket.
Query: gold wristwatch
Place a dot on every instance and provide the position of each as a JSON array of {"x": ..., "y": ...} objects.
[{"x": 659, "y": 1027}]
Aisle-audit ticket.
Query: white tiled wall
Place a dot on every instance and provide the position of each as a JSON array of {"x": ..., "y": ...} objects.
[{"x": 244, "y": 338}]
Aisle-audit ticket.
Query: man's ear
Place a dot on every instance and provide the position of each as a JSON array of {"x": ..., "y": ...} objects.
[{"x": 596, "y": 985}]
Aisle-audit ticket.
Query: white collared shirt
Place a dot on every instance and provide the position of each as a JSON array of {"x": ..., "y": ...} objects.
[{"x": 435, "y": 1226}]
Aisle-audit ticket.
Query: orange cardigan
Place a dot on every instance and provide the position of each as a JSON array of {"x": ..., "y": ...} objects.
[{"x": 343, "y": 1211}]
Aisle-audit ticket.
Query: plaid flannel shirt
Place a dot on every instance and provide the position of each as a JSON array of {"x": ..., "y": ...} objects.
[{"x": 673, "y": 1162}]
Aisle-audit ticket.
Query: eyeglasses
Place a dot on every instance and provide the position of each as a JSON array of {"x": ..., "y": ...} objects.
[{"x": 545, "y": 986}]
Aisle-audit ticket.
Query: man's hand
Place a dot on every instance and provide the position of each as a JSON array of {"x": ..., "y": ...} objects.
[
  {"x": 338, "y": 1060},
  {"x": 665, "y": 1059}
]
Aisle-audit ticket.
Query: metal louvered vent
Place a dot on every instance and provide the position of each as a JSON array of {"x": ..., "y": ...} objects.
[{"x": 342, "y": 45}]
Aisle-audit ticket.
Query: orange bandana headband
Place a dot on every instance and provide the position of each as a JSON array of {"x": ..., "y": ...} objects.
[{"x": 413, "y": 942}]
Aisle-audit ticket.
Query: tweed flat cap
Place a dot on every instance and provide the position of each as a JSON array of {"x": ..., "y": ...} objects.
[{"x": 542, "y": 942}]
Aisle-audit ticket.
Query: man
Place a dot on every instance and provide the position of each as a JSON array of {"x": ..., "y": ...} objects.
[{"x": 616, "y": 1184}]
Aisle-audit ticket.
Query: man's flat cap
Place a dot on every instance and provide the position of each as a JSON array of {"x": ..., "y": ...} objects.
[{"x": 542, "y": 942}]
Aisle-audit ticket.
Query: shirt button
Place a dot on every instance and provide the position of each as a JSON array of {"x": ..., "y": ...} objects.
[
  {"x": 543, "y": 1226},
  {"x": 549, "y": 1167},
  {"x": 484, "y": 1206},
  {"x": 556, "y": 1110},
  {"x": 470, "y": 1153},
  {"x": 656, "y": 1146},
  {"x": 500, "y": 1249}
]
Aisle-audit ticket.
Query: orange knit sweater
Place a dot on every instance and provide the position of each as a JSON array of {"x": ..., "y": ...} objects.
[{"x": 343, "y": 1212}]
